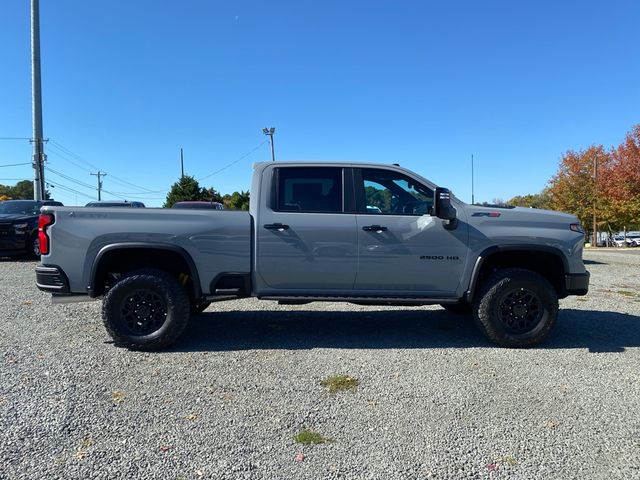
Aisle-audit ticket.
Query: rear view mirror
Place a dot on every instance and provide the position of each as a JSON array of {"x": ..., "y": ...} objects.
[{"x": 444, "y": 209}]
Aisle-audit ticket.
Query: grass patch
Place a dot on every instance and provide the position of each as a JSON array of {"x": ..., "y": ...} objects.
[
  {"x": 627, "y": 293},
  {"x": 339, "y": 383},
  {"x": 308, "y": 437}
]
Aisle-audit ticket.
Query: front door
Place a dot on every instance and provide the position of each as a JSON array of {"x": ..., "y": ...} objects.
[
  {"x": 403, "y": 249},
  {"x": 305, "y": 240}
]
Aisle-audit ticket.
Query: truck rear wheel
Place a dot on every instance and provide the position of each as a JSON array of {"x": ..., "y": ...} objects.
[
  {"x": 516, "y": 308},
  {"x": 146, "y": 310}
]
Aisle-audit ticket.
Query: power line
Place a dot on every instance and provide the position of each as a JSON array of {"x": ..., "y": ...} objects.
[
  {"x": 234, "y": 162},
  {"x": 15, "y": 138},
  {"x": 115, "y": 179},
  {"x": 71, "y": 179},
  {"x": 16, "y": 164},
  {"x": 68, "y": 189},
  {"x": 71, "y": 154},
  {"x": 62, "y": 155}
]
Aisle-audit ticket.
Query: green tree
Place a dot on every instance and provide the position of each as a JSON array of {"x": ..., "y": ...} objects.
[
  {"x": 212, "y": 195},
  {"x": 185, "y": 189},
  {"x": 536, "y": 200},
  {"x": 236, "y": 201},
  {"x": 23, "y": 190}
]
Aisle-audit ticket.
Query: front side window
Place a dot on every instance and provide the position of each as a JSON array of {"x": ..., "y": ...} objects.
[
  {"x": 309, "y": 189},
  {"x": 391, "y": 193}
]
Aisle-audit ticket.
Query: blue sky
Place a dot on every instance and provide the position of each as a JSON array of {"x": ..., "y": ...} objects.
[{"x": 423, "y": 84}]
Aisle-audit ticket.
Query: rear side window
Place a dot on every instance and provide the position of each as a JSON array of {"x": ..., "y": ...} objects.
[{"x": 309, "y": 189}]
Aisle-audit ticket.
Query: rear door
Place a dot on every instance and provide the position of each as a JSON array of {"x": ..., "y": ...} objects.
[
  {"x": 306, "y": 232},
  {"x": 403, "y": 249}
]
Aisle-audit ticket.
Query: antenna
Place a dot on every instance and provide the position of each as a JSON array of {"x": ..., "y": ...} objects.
[{"x": 473, "y": 200}]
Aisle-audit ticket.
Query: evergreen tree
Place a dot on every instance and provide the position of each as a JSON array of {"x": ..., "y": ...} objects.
[{"x": 185, "y": 189}]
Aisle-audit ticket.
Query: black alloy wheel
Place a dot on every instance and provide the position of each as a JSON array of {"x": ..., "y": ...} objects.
[
  {"x": 143, "y": 311},
  {"x": 520, "y": 311}
]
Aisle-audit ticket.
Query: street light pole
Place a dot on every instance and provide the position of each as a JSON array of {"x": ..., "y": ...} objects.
[
  {"x": 595, "y": 199},
  {"x": 269, "y": 132}
]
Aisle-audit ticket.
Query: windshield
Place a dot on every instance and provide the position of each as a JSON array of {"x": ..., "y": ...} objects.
[{"x": 25, "y": 207}]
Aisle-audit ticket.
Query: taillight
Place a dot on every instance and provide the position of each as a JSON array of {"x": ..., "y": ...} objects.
[{"x": 44, "y": 221}]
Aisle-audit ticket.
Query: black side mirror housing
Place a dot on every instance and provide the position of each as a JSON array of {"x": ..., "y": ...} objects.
[{"x": 444, "y": 209}]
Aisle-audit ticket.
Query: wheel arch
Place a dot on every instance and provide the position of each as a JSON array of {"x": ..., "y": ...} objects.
[
  {"x": 549, "y": 262},
  {"x": 124, "y": 257}
]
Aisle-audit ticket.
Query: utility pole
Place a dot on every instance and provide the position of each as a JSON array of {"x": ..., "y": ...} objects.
[
  {"x": 36, "y": 103},
  {"x": 181, "y": 164},
  {"x": 269, "y": 132},
  {"x": 472, "y": 196},
  {"x": 99, "y": 175},
  {"x": 595, "y": 199}
]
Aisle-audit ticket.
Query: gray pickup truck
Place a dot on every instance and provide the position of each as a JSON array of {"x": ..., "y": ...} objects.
[{"x": 368, "y": 234}]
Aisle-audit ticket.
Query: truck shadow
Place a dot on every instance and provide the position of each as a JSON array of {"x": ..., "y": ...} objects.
[{"x": 385, "y": 329}]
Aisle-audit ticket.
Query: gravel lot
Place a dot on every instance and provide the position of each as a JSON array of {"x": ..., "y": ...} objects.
[{"x": 435, "y": 400}]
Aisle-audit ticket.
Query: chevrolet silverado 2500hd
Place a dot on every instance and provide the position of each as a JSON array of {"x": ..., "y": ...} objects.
[{"x": 363, "y": 233}]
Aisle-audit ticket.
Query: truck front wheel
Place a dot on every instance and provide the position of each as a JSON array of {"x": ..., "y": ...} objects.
[
  {"x": 146, "y": 310},
  {"x": 516, "y": 308}
]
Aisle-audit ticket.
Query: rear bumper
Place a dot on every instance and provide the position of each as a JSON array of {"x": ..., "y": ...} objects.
[
  {"x": 576, "y": 283},
  {"x": 51, "y": 279}
]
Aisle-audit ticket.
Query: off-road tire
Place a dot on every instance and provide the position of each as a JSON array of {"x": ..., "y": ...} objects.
[
  {"x": 146, "y": 310},
  {"x": 516, "y": 308},
  {"x": 458, "y": 308}
]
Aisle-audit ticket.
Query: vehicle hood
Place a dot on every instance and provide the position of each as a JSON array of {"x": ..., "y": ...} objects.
[
  {"x": 520, "y": 225},
  {"x": 12, "y": 217},
  {"x": 480, "y": 214}
]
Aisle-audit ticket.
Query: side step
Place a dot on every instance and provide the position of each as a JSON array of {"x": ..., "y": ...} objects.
[{"x": 375, "y": 301}]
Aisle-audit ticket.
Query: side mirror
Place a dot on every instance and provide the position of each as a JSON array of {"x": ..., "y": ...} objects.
[{"x": 444, "y": 209}]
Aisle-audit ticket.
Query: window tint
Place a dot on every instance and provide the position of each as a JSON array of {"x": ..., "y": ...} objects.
[
  {"x": 309, "y": 189},
  {"x": 391, "y": 193}
]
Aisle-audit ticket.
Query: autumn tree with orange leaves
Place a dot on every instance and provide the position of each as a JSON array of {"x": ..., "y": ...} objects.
[
  {"x": 573, "y": 189},
  {"x": 621, "y": 183}
]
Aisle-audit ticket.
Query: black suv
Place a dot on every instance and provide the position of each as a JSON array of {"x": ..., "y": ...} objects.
[{"x": 19, "y": 226}]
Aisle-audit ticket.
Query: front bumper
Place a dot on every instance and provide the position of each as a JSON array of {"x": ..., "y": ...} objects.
[
  {"x": 51, "y": 279},
  {"x": 13, "y": 245},
  {"x": 576, "y": 283}
]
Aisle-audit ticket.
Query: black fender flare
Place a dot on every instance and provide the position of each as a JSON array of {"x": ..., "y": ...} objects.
[
  {"x": 193, "y": 271},
  {"x": 494, "y": 249}
]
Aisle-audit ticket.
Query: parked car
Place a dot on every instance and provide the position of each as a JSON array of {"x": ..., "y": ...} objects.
[
  {"x": 19, "y": 226},
  {"x": 115, "y": 203},
  {"x": 199, "y": 204},
  {"x": 633, "y": 239},
  {"x": 618, "y": 241}
]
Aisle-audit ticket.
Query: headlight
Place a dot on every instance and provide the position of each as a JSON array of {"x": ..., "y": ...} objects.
[{"x": 576, "y": 227}]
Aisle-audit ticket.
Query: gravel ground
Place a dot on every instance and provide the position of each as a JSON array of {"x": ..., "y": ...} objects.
[{"x": 434, "y": 400}]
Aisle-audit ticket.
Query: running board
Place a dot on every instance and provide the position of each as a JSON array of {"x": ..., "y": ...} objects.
[{"x": 375, "y": 301}]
